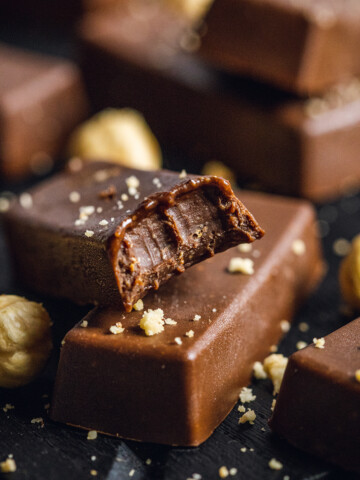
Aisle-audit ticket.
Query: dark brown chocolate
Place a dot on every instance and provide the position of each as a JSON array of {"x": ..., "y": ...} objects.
[
  {"x": 108, "y": 234},
  {"x": 304, "y": 46},
  {"x": 41, "y": 101},
  {"x": 306, "y": 147},
  {"x": 155, "y": 389},
  {"x": 318, "y": 405}
]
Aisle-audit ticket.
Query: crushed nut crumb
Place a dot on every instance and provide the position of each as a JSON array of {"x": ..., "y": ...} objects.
[
  {"x": 233, "y": 471},
  {"x": 301, "y": 344},
  {"x": 258, "y": 371},
  {"x": 274, "y": 366},
  {"x": 319, "y": 342},
  {"x": 170, "y": 321},
  {"x": 190, "y": 333},
  {"x": 148, "y": 461},
  {"x": 74, "y": 197},
  {"x": 37, "y": 420},
  {"x": 273, "y": 348},
  {"x": 196, "y": 318},
  {"x": 152, "y": 322},
  {"x": 241, "y": 409},
  {"x": 92, "y": 435},
  {"x": 84, "y": 323},
  {"x": 303, "y": 327},
  {"x": 241, "y": 265},
  {"x": 246, "y": 395},
  {"x": 298, "y": 247},
  {"x": 178, "y": 340},
  {"x": 132, "y": 472},
  {"x": 93, "y": 473},
  {"x": 8, "y": 466},
  {"x": 8, "y": 406},
  {"x": 4, "y": 204},
  {"x": 285, "y": 326},
  {"x": 248, "y": 416},
  {"x": 89, "y": 233},
  {"x": 275, "y": 464},
  {"x": 26, "y": 200},
  {"x": 183, "y": 174},
  {"x": 223, "y": 472},
  {"x": 117, "y": 328},
  {"x": 132, "y": 182},
  {"x": 103, "y": 222},
  {"x": 139, "y": 305},
  {"x": 243, "y": 449},
  {"x": 124, "y": 197},
  {"x": 245, "y": 247}
]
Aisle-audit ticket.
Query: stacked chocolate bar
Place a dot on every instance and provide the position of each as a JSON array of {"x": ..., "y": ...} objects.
[{"x": 297, "y": 134}]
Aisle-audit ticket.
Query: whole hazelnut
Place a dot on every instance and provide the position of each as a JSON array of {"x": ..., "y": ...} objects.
[
  {"x": 349, "y": 275},
  {"x": 25, "y": 340}
]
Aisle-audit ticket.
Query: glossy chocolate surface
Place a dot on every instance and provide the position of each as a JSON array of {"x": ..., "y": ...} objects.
[
  {"x": 108, "y": 234},
  {"x": 318, "y": 405},
  {"x": 153, "y": 389},
  {"x": 41, "y": 100},
  {"x": 297, "y": 146},
  {"x": 304, "y": 46}
]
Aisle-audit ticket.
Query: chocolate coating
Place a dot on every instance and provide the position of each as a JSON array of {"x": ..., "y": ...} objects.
[
  {"x": 296, "y": 146},
  {"x": 41, "y": 101},
  {"x": 304, "y": 46},
  {"x": 318, "y": 405},
  {"x": 151, "y": 388},
  {"x": 118, "y": 241}
]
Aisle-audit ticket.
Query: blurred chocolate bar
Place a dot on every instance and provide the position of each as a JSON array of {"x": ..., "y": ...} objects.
[
  {"x": 293, "y": 145},
  {"x": 301, "y": 45},
  {"x": 318, "y": 405},
  {"x": 175, "y": 387},
  {"x": 41, "y": 101}
]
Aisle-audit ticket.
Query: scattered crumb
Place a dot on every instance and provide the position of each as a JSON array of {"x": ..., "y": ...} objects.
[
  {"x": 274, "y": 366},
  {"x": 170, "y": 321},
  {"x": 286, "y": 477},
  {"x": 93, "y": 458},
  {"x": 273, "y": 404},
  {"x": 243, "y": 449},
  {"x": 196, "y": 318},
  {"x": 285, "y": 326},
  {"x": 99, "y": 209},
  {"x": 178, "y": 340},
  {"x": 47, "y": 406},
  {"x": 301, "y": 344},
  {"x": 245, "y": 247},
  {"x": 214, "y": 310},
  {"x": 341, "y": 247},
  {"x": 7, "y": 407},
  {"x": 89, "y": 233},
  {"x": 246, "y": 395},
  {"x": 241, "y": 409},
  {"x": 117, "y": 328},
  {"x": 152, "y": 322},
  {"x": 233, "y": 471},
  {"x": 84, "y": 323},
  {"x": 92, "y": 435},
  {"x": 132, "y": 472},
  {"x": 182, "y": 174},
  {"x": 357, "y": 375},
  {"x": 74, "y": 197},
  {"x": 124, "y": 197},
  {"x": 26, "y": 200},
  {"x": 319, "y": 342},
  {"x": 273, "y": 348},
  {"x": 298, "y": 247},
  {"x": 132, "y": 182},
  {"x": 223, "y": 472},
  {"x": 275, "y": 464},
  {"x": 241, "y": 265},
  {"x": 251, "y": 450},
  {"x": 190, "y": 333},
  {"x": 248, "y": 416},
  {"x": 63, "y": 342},
  {"x": 303, "y": 327},
  {"x": 39, "y": 420},
  {"x": 4, "y": 204},
  {"x": 93, "y": 473},
  {"x": 139, "y": 305},
  {"x": 258, "y": 371},
  {"x": 156, "y": 182},
  {"x": 103, "y": 222},
  {"x": 8, "y": 466},
  {"x": 148, "y": 461}
]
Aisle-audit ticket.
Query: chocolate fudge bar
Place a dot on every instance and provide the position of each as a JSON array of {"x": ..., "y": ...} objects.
[
  {"x": 175, "y": 387},
  {"x": 305, "y": 147},
  {"x": 41, "y": 101},
  {"x": 108, "y": 234},
  {"x": 302, "y": 45},
  {"x": 318, "y": 405}
]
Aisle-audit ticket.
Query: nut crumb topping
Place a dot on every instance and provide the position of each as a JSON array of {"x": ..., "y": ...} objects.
[
  {"x": 241, "y": 265},
  {"x": 148, "y": 461},
  {"x": 89, "y": 233},
  {"x": 303, "y": 327},
  {"x": 243, "y": 449},
  {"x": 241, "y": 409},
  {"x": 92, "y": 435},
  {"x": 258, "y": 371},
  {"x": 275, "y": 464},
  {"x": 248, "y": 416},
  {"x": 223, "y": 472},
  {"x": 170, "y": 321},
  {"x": 103, "y": 222},
  {"x": 178, "y": 340},
  {"x": 37, "y": 420},
  {"x": 8, "y": 466},
  {"x": 298, "y": 247},
  {"x": 319, "y": 342},
  {"x": 301, "y": 344},
  {"x": 152, "y": 322},
  {"x": 139, "y": 305},
  {"x": 196, "y": 318},
  {"x": 4, "y": 204},
  {"x": 190, "y": 333},
  {"x": 132, "y": 472},
  {"x": 74, "y": 197},
  {"x": 93, "y": 473},
  {"x": 246, "y": 395},
  {"x": 117, "y": 328},
  {"x": 84, "y": 323},
  {"x": 26, "y": 200},
  {"x": 245, "y": 247},
  {"x": 124, "y": 197},
  {"x": 8, "y": 406},
  {"x": 274, "y": 366},
  {"x": 285, "y": 326},
  {"x": 183, "y": 174}
]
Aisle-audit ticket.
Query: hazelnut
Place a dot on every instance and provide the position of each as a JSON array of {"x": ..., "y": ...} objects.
[
  {"x": 121, "y": 136},
  {"x": 25, "y": 340},
  {"x": 349, "y": 275}
]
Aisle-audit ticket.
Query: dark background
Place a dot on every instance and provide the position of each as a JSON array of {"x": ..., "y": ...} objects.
[{"x": 59, "y": 452}]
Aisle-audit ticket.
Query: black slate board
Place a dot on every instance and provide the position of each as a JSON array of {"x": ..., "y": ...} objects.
[{"x": 56, "y": 452}]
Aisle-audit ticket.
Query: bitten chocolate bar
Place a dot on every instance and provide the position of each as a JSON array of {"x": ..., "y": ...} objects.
[
  {"x": 305, "y": 147},
  {"x": 303, "y": 45},
  {"x": 108, "y": 234},
  {"x": 318, "y": 405},
  {"x": 41, "y": 101},
  {"x": 176, "y": 386}
]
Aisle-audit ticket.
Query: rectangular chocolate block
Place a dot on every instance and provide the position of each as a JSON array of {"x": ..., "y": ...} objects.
[
  {"x": 41, "y": 101},
  {"x": 303, "y": 45},
  {"x": 175, "y": 388},
  {"x": 305, "y": 147},
  {"x": 108, "y": 234},
  {"x": 318, "y": 405}
]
